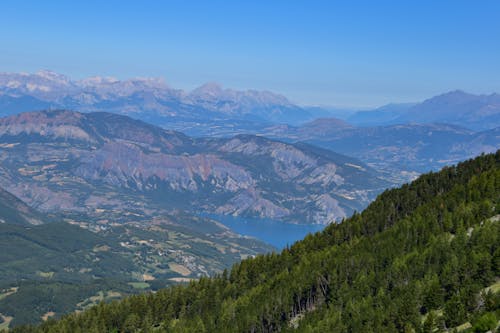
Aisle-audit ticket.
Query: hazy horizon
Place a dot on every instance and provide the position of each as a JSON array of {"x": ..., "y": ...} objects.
[{"x": 355, "y": 55}]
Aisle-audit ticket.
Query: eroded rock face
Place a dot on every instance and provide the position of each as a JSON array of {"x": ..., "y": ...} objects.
[
  {"x": 120, "y": 162},
  {"x": 68, "y": 161}
]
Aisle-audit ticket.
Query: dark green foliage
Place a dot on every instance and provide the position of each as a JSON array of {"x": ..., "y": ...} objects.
[
  {"x": 60, "y": 267},
  {"x": 486, "y": 322},
  {"x": 35, "y": 298},
  {"x": 43, "y": 262},
  {"x": 24, "y": 251},
  {"x": 428, "y": 248}
]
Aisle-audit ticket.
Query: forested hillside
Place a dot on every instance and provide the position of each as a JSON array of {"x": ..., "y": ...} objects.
[{"x": 422, "y": 258}]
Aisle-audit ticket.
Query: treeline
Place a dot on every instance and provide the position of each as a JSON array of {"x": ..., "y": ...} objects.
[{"x": 418, "y": 259}]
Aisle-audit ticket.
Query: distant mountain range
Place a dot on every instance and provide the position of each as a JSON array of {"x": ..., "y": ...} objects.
[
  {"x": 211, "y": 107},
  {"x": 148, "y": 99},
  {"x": 403, "y": 150},
  {"x": 384, "y": 115},
  {"x": 475, "y": 112},
  {"x": 401, "y": 140},
  {"x": 102, "y": 163}
]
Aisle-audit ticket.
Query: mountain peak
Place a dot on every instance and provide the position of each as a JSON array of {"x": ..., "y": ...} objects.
[
  {"x": 211, "y": 89},
  {"x": 450, "y": 98},
  {"x": 98, "y": 80},
  {"x": 455, "y": 93},
  {"x": 152, "y": 82},
  {"x": 52, "y": 76}
]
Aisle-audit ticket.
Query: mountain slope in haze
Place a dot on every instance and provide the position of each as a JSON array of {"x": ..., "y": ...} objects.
[
  {"x": 411, "y": 147},
  {"x": 422, "y": 258},
  {"x": 403, "y": 150},
  {"x": 101, "y": 163},
  {"x": 14, "y": 211},
  {"x": 384, "y": 115},
  {"x": 148, "y": 99},
  {"x": 477, "y": 112}
]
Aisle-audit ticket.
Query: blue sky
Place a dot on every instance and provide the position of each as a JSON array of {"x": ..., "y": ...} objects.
[{"x": 339, "y": 53}]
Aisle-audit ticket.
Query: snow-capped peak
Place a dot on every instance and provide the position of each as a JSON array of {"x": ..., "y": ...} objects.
[{"x": 52, "y": 76}]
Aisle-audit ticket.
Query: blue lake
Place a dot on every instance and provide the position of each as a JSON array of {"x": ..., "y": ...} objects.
[{"x": 273, "y": 232}]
